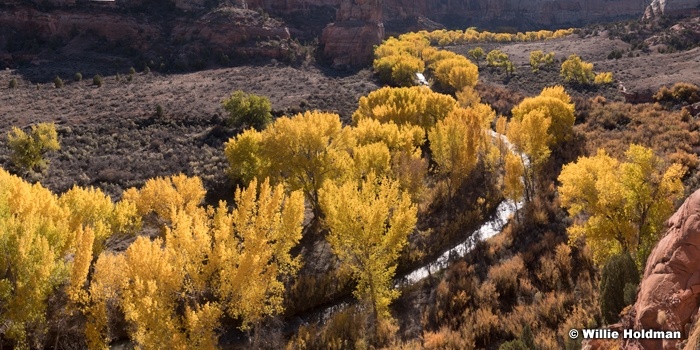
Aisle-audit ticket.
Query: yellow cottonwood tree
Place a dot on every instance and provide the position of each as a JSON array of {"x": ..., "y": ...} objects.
[
  {"x": 458, "y": 142},
  {"x": 574, "y": 69},
  {"x": 252, "y": 250},
  {"x": 403, "y": 144},
  {"x": 530, "y": 138},
  {"x": 302, "y": 152},
  {"x": 34, "y": 237},
  {"x": 457, "y": 72},
  {"x": 514, "y": 188},
  {"x": 415, "y": 105},
  {"x": 620, "y": 206},
  {"x": 48, "y": 243},
  {"x": 165, "y": 287},
  {"x": 91, "y": 207},
  {"x": 369, "y": 225},
  {"x": 28, "y": 149},
  {"x": 556, "y": 105},
  {"x": 164, "y": 196}
]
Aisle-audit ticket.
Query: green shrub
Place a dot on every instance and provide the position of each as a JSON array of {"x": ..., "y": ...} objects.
[
  {"x": 160, "y": 112},
  {"x": 97, "y": 80},
  {"x": 132, "y": 71},
  {"x": 248, "y": 109},
  {"x": 147, "y": 70},
  {"x": 78, "y": 76},
  {"x": 27, "y": 150},
  {"x": 57, "y": 82},
  {"x": 514, "y": 345},
  {"x": 619, "y": 272},
  {"x": 13, "y": 83}
]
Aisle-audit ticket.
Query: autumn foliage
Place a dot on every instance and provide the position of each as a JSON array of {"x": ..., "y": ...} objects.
[{"x": 620, "y": 206}]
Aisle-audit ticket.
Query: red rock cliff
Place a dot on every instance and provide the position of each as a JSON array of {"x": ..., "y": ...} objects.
[
  {"x": 669, "y": 293},
  {"x": 350, "y": 40}
]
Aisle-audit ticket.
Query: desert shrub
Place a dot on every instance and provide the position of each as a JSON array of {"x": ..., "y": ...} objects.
[
  {"x": 527, "y": 337},
  {"x": 57, "y": 82},
  {"x": 505, "y": 276},
  {"x": 619, "y": 274},
  {"x": 484, "y": 324},
  {"x": 248, "y": 109},
  {"x": 97, "y": 80},
  {"x": 446, "y": 338},
  {"x": 345, "y": 330},
  {"x": 78, "y": 76},
  {"x": 454, "y": 294},
  {"x": 603, "y": 78},
  {"x": 552, "y": 308},
  {"x": 514, "y": 345},
  {"x": 670, "y": 133},
  {"x": 12, "y": 84},
  {"x": 576, "y": 70},
  {"x": 477, "y": 54},
  {"x": 679, "y": 93},
  {"x": 536, "y": 60},
  {"x": 147, "y": 70},
  {"x": 160, "y": 112},
  {"x": 496, "y": 58},
  {"x": 500, "y": 99},
  {"x": 28, "y": 149},
  {"x": 132, "y": 71}
]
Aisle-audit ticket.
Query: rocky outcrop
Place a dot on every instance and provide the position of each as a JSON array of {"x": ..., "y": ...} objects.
[
  {"x": 658, "y": 8},
  {"x": 669, "y": 294},
  {"x": 350, "y": 40},
  {"x": 62, "y": 24},
  {"x": 229, "y": 27},
  {"x": 225, "y": 31}
]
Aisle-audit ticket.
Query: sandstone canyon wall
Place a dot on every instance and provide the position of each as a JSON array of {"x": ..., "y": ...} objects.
[
  {"x": 350, "y": 40},
  {"x": 527, "y": 14},
  {"x": 669, "y": 294}
]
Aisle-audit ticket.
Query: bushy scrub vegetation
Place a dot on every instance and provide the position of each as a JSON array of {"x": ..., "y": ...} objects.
[
  {"x": 28, "y": 149},
  {"x": 618, "y": 286},
  {"x": 678, "y": 93},
  {"x": 611, "y": 125},
  {"x": 574, "y": 69},
  {"x": 248, "y": 110},
  {"x": 523, "y": 301},
  {"x": 603, "y": 78},
  {"x": 538, "y": 59}
]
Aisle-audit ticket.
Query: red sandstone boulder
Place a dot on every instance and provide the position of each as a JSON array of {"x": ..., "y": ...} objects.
[{"x": 669, "y": 293}]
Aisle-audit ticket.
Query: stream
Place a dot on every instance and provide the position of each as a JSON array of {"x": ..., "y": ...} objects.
[{"x": 495, "y": 224}]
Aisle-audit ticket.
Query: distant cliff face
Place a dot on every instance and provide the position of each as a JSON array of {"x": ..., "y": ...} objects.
[
  {"x": 659, "y": 8},
  {"x": 350, "y": 40},
  {"x": 523, "y": 14}
]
